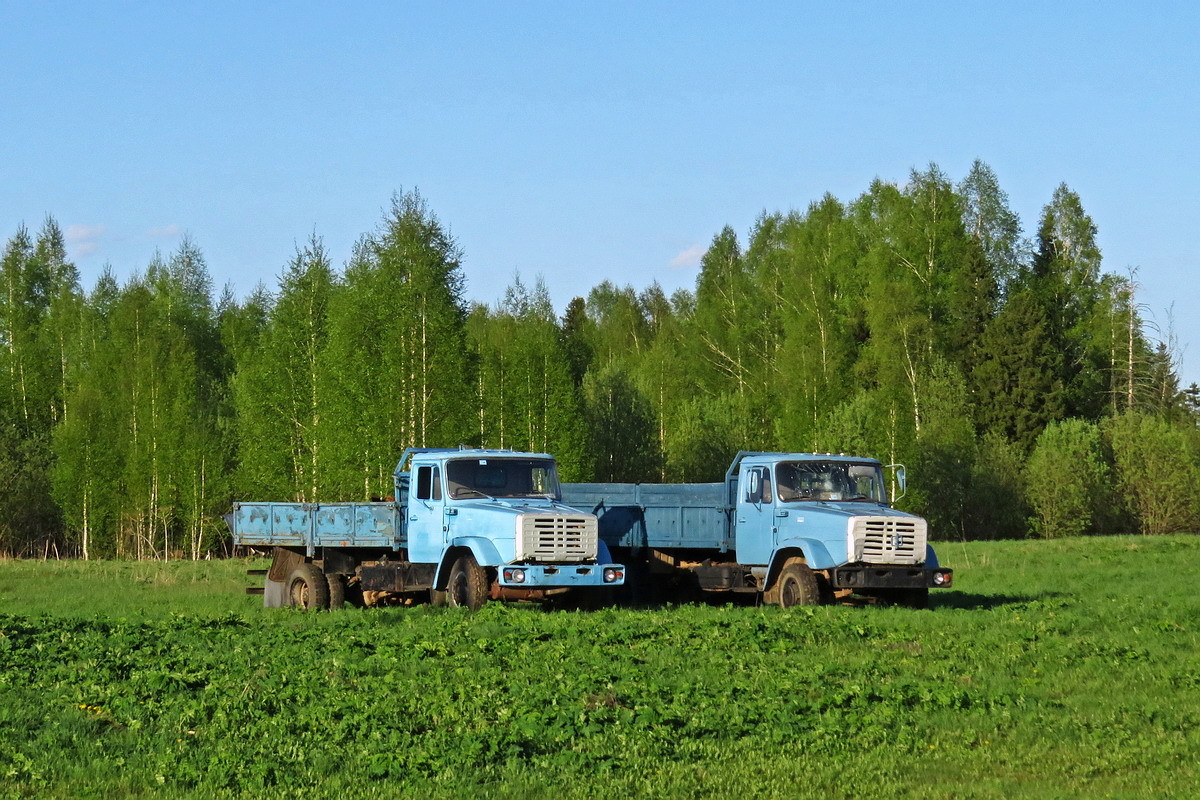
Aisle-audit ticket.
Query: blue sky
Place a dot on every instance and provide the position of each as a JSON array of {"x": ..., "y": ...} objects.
[{"x": 585, "y": 141}]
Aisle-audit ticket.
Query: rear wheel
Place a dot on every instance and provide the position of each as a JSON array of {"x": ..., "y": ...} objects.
[
  {"x": 468, "y": 585},
  {"x": 307, "y": 588},
  {"x": 796, "y": 585},
  {"x": 342, "y": 593}
]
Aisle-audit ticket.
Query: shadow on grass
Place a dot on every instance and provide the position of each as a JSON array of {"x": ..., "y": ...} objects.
[
  {"x": 968, "y": 601},
  {"x": 964, "y": 601},
  {"x": 587, "y": 602}
]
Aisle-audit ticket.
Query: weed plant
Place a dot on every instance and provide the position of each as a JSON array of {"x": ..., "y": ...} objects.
[{"x": 1064, "y": 668}]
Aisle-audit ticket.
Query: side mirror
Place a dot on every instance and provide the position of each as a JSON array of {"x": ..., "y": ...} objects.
[
  {"x": 754, "y": 486},
  {"x": 899, "y": 481}
]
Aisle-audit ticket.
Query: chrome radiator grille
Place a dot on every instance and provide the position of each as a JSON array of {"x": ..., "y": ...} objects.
[
  {"x": 886, "y": 540},
  {"x": 556, "y": 537}
]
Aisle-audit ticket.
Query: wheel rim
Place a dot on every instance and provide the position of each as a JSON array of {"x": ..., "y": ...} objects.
[
  {"x": 458, "y": 589},
  {"x": 789, "y": 592},
  {"x": 300, "y": 594}
]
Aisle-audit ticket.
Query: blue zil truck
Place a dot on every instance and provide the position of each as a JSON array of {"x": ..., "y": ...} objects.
[
  {"x": 796, "y": 528},
  {"x": 464, "y": 526}
]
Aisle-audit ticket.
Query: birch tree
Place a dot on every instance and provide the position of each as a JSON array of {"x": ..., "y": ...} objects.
[
  {"x": 396, "y": 361},
  {"x": 527, "y": 399},
  {"x": 279, "y": 388}
]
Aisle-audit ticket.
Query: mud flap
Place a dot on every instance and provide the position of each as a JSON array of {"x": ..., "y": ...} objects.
[{"x": 274, "y": 594}]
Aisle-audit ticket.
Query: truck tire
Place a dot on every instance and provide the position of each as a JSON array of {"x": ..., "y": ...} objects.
[
  {"x": 308, "y": 589},
  {"x": 437, "y": 598},
  {"x": 468, "y": 584},
  {"x": 796, "y": 585},
  {"x": 337, "y": 591}
]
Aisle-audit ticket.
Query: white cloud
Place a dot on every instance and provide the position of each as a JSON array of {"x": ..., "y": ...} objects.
[
  {"x": 690, "y": 258},
  {"x": 164, "y": 232},
  {"x": 82, "y": 239},
  {"x": 84, "y": 233}
]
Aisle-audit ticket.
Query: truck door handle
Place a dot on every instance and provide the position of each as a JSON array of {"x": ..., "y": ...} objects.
[{"x": 412, "y": 519}]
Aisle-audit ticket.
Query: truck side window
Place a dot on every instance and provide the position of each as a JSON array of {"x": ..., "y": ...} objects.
[{"x": 429, "y": 487}]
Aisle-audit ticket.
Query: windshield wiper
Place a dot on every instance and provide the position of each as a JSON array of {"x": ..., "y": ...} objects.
[{"x": 460, "y": 492}]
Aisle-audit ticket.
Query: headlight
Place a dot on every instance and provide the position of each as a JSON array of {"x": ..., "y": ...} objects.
[
  {"x": 612, "y": 575},
  {"x": 514, "y": 576},
  {"x": 942, "y": 578}
]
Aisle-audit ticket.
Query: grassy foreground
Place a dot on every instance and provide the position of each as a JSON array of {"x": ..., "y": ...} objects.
[{"x": 1054, "y": 669}]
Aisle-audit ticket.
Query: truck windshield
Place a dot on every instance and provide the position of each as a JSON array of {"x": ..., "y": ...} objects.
[
  {"x": 829, "y": 480},
  {"x": 502, "y": 477}
]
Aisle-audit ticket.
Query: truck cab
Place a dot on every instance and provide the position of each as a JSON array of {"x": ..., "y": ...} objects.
[
  {"x": 505, "y": 509},
  {"x": 833, "y": 513}
]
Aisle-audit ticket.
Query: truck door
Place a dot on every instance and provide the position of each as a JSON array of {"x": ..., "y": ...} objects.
[
  {"x": 426, "y": 523},
  {"x": 755, "y": 518}
]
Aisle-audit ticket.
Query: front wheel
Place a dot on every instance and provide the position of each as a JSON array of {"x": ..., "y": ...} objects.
[
  {"x": 468, "y": 585},
  {"x": 796, "y": 585},
  {"x": 307, "y": 588}
]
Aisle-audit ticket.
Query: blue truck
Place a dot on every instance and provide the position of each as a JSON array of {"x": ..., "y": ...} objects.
[
  {"x": 795, "y": 528},
  {"x": 463, "y": 527}
]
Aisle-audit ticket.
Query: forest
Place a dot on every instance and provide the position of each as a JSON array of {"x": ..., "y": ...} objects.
[{"x": 1025, "y": 388}]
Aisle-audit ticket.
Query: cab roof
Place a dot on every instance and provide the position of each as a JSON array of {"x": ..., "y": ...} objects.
[{"x": 442, "y": 454}]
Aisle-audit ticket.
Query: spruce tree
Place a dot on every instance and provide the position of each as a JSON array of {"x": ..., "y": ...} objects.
[
  {"x": 1018, "y": 376},
  {"x": 1065, "y": 279},
  {"x": 575, "y": 339}
]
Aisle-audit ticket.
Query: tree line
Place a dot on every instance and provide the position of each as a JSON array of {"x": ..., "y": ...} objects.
[{"x": 1017, "y": 380}]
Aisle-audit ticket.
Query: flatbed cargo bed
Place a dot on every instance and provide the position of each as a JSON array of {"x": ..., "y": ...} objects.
[
  {"x": 317, "y": 525},
  {"x": 661, "y": 516}
]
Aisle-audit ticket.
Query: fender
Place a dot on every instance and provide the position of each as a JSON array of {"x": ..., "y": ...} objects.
[
  {"x": 814, "y": 552},
  {"x": 602, "y": 554},
  {"x": 484, "y": 551},
  {"x": 931, "y": 559}
]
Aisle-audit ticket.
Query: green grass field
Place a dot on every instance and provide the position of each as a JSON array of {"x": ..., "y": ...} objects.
[{"x": 1053, "y": 669}]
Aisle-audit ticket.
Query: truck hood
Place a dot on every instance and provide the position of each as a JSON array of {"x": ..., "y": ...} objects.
[
  {"x": 533, "y": 529},
  {"x": 833, "y": 508},
  {"x": 865, "y": 532},
  {"x": 515, "y": 505}
]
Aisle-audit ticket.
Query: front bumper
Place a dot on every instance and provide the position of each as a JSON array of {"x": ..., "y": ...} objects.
[
  {"x": 872, "y": 576},
  {"x": 560, "y": 576}
]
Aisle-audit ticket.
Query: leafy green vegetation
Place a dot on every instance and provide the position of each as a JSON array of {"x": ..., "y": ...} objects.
[{"x": 1059, "y": 668}]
